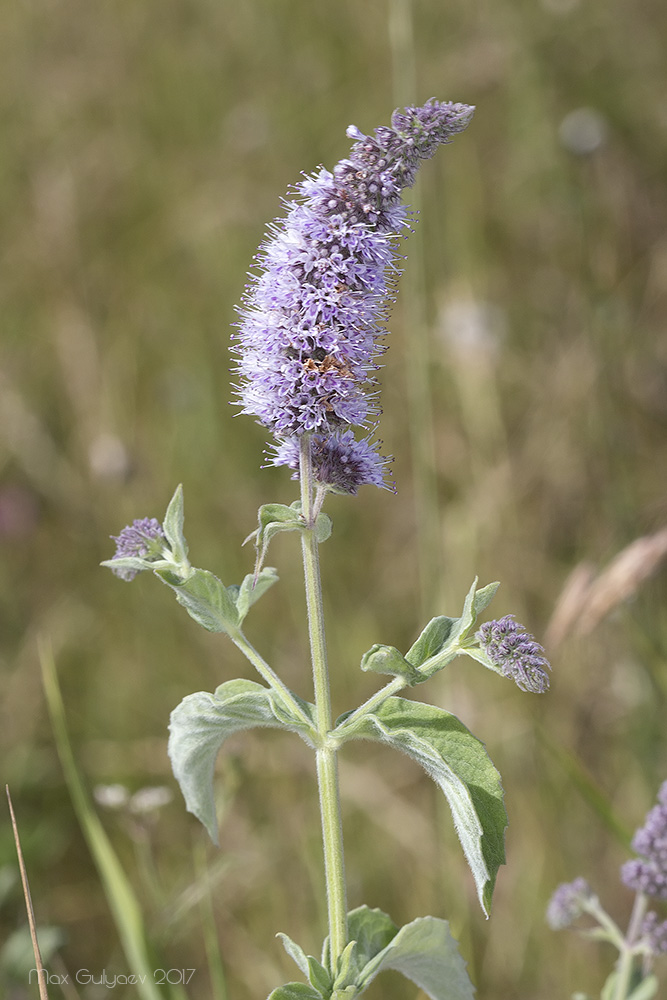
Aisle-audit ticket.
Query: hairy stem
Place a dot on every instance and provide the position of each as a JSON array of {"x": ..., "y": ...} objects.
[
  {"x": 327, "y": 763},
  {"x": 265, "y": 671}
]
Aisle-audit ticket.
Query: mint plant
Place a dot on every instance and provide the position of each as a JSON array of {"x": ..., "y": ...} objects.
[
  {"x": 632, "y": 977},
  {"x": 308, "y": 346}
]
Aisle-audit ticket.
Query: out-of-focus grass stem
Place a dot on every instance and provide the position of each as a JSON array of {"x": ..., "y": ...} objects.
[{"x": 401, "y": 36}]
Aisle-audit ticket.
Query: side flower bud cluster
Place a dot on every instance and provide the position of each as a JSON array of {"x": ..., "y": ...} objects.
[
  {"x": 312, "y": 318},
  {"x": 515, "y": 653},
  {"x": 568, "y": 903},
  {"x": 648, "y": 873},
  {"x": 143, "y": 539}
]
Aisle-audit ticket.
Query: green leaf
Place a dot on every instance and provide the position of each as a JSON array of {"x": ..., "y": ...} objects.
[
  {"x": 387, "y": 660},
  {"x": 425, "y": 952},
  {"x": 295, "y": 952},
  {"x": 207, "y": 600},
  {"x": 129, "y": 562},
  {"x": 483, "y": 598},
  {"x": 372, "y": 929},
  {"x": 173, "y": 525},
  {"x": 323, "y": 527},
  {"x": 348, "y": 967},
  {"x": 295, "y": 991},
  {"x": 316, "y": 974},
  {"x": 200, "y": 725},
  {"x": 431, "y": 641},
  {"x": 252, "y": 589},
  {"x": 460, "y": 766},
  {"x": 647, "y": 989},
  {"x": 319, "y": 977},
  {"x": 440, "y": 642}
]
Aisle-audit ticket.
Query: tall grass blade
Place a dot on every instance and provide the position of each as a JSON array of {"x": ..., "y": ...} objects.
[{"x": 122, "y": 901}]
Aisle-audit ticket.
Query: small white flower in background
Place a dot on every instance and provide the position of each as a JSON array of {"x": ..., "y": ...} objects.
[
  {"x": 111, "y": 796},
  {"x": 583, "y": 131},
  {"x": 150, "y": 799}
]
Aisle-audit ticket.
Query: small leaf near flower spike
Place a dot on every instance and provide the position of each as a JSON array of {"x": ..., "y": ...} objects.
[
  {"x": 252, "y": 588},
  {"x": 173, "y": 525},
  {"x": 295, "y": 991},
  {"x": 387, "y": 660}
]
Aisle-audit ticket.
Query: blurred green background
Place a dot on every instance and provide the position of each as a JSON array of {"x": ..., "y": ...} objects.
[{"x": 144, "y": 148}]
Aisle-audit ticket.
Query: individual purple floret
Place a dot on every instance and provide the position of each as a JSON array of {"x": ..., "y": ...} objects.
[
  {"x": 312, "y": 318},
  {"x": 143, "y": 539},
  {"x": 568, "y": 903},
  {"x": 340, "y": 462},
  {"x": 654, "y": 931},
  {"x": 648, "y": 873},
  {"x": 516, "y": 653}
]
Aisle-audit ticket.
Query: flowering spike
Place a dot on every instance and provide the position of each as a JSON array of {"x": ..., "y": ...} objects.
[
  {"x": 648, "y": 873},
  {"x": 312, "y": 318},
  {"x": 142, "y": 539},
  {"x": 516, "y": 653},
  {"x": 568, "y": 902}
]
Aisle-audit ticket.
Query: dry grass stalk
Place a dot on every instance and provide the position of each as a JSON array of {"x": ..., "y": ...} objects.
[
  {"x": 41, "y": 976},
  {"x": 586, "y": 599}
]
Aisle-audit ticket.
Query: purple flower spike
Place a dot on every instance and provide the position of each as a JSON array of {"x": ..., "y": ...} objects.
[
  {"x": 516, "y": 653},
  {"x": 649, "y": 872},
  {"x": 143, "y": 539},
  {"x": 340, "y": 462},
  {"x": 312, "y": 318},
  {"x": 568, "y": 903}
]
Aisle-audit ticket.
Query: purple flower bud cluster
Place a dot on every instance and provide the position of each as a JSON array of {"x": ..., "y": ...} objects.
[
  {"x": 339, "y": 460},
  {"x": 654, "y": 931},
  {"x": 648, "y": 873},
  {"x": 568, "y": 903},
  {"x": 143, "y": 539},
  {"x": 516, "y": 653},
  {"x": 312, "y": 317}
]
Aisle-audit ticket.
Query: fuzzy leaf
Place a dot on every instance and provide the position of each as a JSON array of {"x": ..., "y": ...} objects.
[
  {"x": 173, "y": 525},
  {"x": 207, "y": 600},
  {"x": 431, "y": 641},
  {"x": 252, "y": 589},
  {"x": 295, "y": 991},
  {"x": 425, "y": 952},
  {"x": 387, "y": 660},
  {"x": 295, "y": 952},
  {"x": 200, "y": 725},
  {"x": 439, "y": 643},
  {"x": 323, "y": 527},
  {"x": 647, "y": 989},
  {"x": 460, "y": 766},
  {"x": 483, "y": 598}
]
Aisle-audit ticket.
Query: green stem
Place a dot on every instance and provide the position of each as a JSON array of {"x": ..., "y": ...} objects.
[
  {"x": 391, "y": 688},
  {"x": 262, "y": 667},
  {"x": 327, "y": 763},
  {"x": 628, "y": 954}
]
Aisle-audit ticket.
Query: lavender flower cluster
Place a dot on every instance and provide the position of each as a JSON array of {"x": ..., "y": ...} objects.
[
  {"x": 568, "y": 903},
  {"x": 516, "y": 653},
  {"x": 144, "y": 538},
  {"x": 312, "y": 318},
  {"x": 648, "y": 873}
]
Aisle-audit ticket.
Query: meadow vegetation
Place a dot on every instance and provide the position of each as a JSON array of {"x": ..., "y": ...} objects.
[{"x": 145, "y": 147}]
